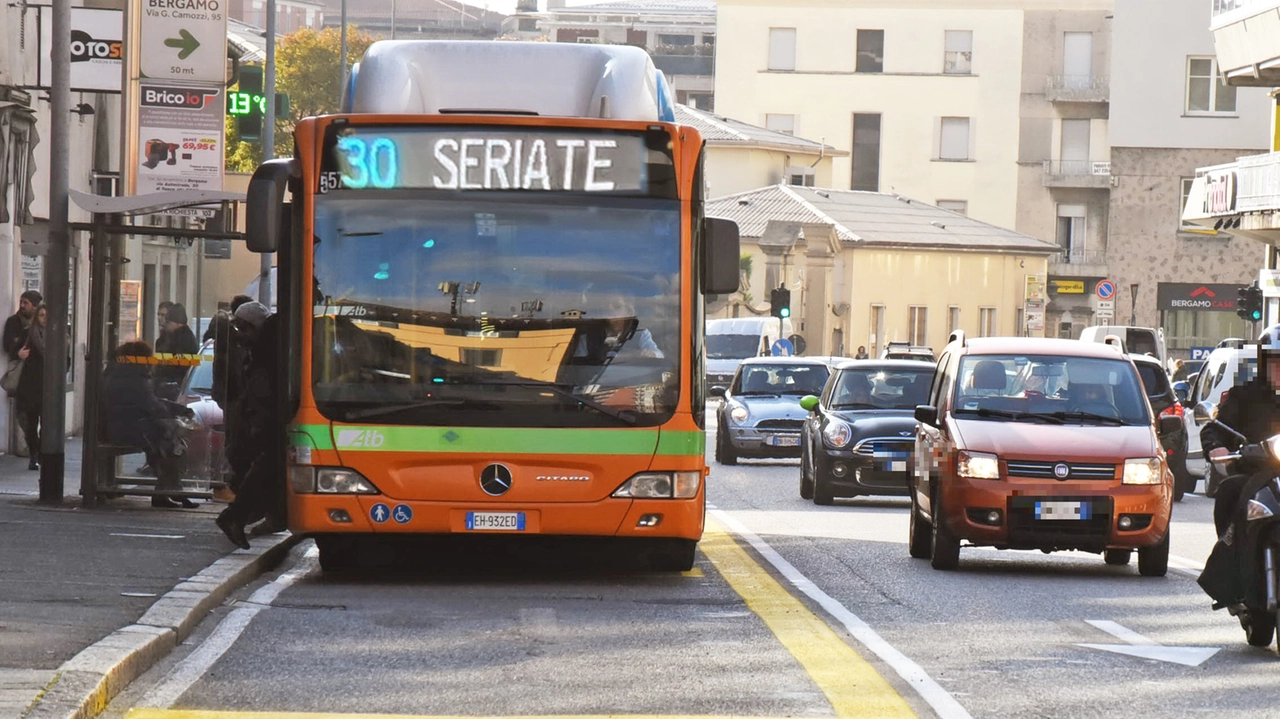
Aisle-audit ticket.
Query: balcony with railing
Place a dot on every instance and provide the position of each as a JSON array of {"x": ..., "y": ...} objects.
[
  {"x": 1077, "y": 174},
  {"x": 1079, "y": 264},
  {"x": 1078, "y": 88},
  {"x": 1246, "y": 38}
]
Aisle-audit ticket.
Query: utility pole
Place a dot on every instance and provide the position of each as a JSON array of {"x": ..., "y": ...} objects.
[
  {"x": 269, "y": 139},
  {"x": 53, "y": 422},
  {"x": 393, "y": 19},
  {"x": 342, "y": 52}
]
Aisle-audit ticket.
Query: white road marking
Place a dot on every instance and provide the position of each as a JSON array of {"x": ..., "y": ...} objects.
[
  {"x": 189, "y": 670},
  {"x": 150, "y": 536},
  {"x": 938, "y": 698},
  {"x": 1136, "y": 645}
]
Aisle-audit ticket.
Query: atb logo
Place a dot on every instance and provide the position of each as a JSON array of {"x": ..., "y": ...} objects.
[{"x": 364, "y": 438}]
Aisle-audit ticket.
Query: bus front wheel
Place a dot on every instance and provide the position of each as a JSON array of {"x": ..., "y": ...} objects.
[
  {"x": 673, "y": 555},
  {"x": 338, "y": 554}
]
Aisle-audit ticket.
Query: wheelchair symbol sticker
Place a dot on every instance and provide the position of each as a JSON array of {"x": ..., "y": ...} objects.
[
  {"x": 380, "y": 513},
  {"x": 402, "y": 514}
]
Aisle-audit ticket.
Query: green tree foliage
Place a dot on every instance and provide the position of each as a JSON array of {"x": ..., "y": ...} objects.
[{"x": 307, "y": 70}]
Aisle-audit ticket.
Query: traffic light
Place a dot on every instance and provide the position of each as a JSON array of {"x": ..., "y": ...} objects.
[
  {"x": 1242, "y": 302},
  {"x": 1249, "y": 303},
  {"x": 249, "y": 122},
  {"x": 780, "y": 303}
]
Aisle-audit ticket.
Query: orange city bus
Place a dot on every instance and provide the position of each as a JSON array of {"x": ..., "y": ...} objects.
[{"x": 492, "y": 275}]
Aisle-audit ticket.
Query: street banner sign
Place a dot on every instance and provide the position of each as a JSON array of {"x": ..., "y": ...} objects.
[
  {"x": 180, "y": 138},
  {"x": 1200, "y": 353},
  {"x": 184, "y": 41},
  {"x": 1105, "y": 290},
  {"x": 97, "y": 49}
]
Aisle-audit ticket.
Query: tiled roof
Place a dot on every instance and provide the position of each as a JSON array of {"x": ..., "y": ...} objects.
[
  {"x": 870, "y": 219},
  {"x": 717, "y": 130}
]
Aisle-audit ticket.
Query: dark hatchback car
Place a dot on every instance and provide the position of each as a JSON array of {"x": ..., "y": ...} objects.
[
  {"x": 1164, "y": 402},
  {"x": 859, "y": 435},
  {"x": 761, "y": 415}
]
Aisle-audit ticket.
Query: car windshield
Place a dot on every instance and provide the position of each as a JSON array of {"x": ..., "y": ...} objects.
[
  {"x": 496, "y": 309},
  {"x": 201, "y": 381},
  {"x": 732, "y": 346},
  {"x": 781, "y": 379},
  {"x": 1074, "y": 389},
  {"x": 881, "y": 388}
]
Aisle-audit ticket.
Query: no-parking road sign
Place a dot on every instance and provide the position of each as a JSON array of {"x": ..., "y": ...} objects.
[{"x": 1105, "y": 289}]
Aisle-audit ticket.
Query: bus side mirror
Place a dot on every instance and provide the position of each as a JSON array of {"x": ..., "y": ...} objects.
[
  {"x": 720, "y": 256},
  {"x": 266, "y": 217}
]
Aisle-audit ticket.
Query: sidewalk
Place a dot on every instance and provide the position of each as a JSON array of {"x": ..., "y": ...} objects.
[{"x": 77, "y": 585}]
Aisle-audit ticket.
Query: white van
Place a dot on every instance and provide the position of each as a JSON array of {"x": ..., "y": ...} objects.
[
  {"x": 1226, "y": 367},
  {"x": 1137, "y": 340},
  {"x": 729, "y": 341}
]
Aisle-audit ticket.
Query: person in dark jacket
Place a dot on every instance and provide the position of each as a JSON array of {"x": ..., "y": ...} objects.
[
  {"x": 15, "y": 328},
  {"x": 177, "y": 339},
  {"x": 29, "y": 397},
  {"x": 137, "y": 417}
]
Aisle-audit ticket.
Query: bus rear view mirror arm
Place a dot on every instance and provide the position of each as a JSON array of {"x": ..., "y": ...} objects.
[
  {"x": 720, "y": 256},
  {"x": 266, "y": 218}
]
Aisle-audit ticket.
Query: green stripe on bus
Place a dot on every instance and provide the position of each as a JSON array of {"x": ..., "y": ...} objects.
[
  {"x": 315, "y": 436},
  {"x": 507, "y": 440}
]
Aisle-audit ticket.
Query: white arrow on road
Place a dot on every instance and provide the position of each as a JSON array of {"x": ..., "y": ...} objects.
[{"x": 1139, "y": 646}]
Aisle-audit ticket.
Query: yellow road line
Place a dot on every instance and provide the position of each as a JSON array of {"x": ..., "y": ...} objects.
[
  {"x": 183, "y": 714},
  {"x": 852, "y": 685}
]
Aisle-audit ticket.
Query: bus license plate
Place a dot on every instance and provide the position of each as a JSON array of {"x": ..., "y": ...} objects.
[
  {"x": 496, "y": 521},
  {"x": 782, "y": 440},
  {"x": 1062, "y": 510}
]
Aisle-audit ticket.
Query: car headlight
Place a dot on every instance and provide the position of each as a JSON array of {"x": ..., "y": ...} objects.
[
  {"x": 329, "y": 480},
  {"x": 977, "y": 465},
  {"x": 1257, "y": 510},
  {"x": 1273, "y": 447},
  {"x": 1144, "y": 470},
  {"x": 661, "y": 485},
  {"x": 837, "y": 434},
  {"x": 738, "y": 413}
]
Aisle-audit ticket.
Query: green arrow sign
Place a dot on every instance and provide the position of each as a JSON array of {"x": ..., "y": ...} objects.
[{"x": 186, "y": 42}]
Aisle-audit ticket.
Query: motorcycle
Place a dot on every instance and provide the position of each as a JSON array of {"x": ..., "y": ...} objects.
[{"x": 1240, "y": 574}]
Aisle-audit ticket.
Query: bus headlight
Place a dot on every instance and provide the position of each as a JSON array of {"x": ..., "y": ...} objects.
[
  {"x": 661, "y": 485},
  {"x": 1142, "y": 471},
  {"x": 329, "y": 480}
]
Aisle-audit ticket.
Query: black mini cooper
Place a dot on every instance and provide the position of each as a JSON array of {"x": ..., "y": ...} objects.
[{"x": 860, "y": 434}]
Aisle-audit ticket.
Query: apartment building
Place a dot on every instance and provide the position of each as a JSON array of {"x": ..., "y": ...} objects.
[{"x": 291, "y": 15}]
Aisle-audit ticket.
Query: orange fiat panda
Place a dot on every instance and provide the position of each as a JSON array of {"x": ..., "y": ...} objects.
[{"x": 1031, "y": 443}]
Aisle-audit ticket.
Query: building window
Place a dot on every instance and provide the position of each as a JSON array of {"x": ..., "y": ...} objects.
[
  {"x": 953, "y": 139},
  {"x": 782, "y": 48},
  {"x": 870, "y": 51},
  {"x": 800, "y": 176},
  {"x": 877, "y": 329},
  {"x": 1207, "y": 90},
  {"x": 785, "y": 124},
  {"x": 1077, "y": 60},
  {"x": 1072, "y": 221},
  {"x": 528, "y": 24},
  {"x": 680, "y": 40},
  {"x": 918, "y": 326},
  {"x": 958, "y": 58},
  {"x": 866, "y": 152},
  {"x": 987, "y": 322},
  {"x": 953, "y": 319},
  {"x": 957, "y": 206}
]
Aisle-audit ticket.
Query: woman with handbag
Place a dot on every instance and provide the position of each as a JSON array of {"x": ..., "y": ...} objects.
[{"x": 29, "y": 396}]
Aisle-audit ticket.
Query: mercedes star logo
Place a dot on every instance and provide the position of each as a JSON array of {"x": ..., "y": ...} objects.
[
  {"x": 495, "y": 480},
  {"x": 1061, "y": 470}
]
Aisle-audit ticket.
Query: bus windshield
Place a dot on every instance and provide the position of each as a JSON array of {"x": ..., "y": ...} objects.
[{"x": 496, "y": 308}]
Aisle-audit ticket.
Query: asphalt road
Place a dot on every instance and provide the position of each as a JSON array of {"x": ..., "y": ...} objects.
[{"x": 555, "y": 630}]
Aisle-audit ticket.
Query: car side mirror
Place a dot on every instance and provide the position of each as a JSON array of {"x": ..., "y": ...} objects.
[
  {"x": 1170, "y": 424},
  {"x": 809, "y": 403},
  {"x": 927, "y": 414},
  {"x": 717, "y": 392},
  {"x": 1205, "y": 412}
]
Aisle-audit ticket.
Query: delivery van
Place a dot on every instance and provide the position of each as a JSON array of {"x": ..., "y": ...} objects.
[{"x": 729, "y": 341}]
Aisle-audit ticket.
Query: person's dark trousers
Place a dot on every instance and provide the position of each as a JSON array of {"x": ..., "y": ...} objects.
[
  {"x": 1227, "y": 501},
  {"x": 29, "y": 420}
]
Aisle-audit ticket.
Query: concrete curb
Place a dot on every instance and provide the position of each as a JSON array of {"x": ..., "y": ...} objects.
[{"x": 86, "y": 683}]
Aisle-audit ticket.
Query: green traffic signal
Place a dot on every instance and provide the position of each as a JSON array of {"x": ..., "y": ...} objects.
[{"x": 784, "y": 312}]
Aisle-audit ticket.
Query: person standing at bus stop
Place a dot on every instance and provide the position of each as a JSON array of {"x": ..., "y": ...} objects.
[{"x": 29, "y": 398}]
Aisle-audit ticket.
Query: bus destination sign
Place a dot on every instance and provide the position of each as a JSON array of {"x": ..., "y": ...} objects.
[{"x": 453, "y": 158}]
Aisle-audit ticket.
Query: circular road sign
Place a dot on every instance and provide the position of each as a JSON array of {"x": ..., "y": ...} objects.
[
  {"x": 783, "y": 348},
  {"x": 798, "y": 343},
  {"x": 1106, "y": 289}
]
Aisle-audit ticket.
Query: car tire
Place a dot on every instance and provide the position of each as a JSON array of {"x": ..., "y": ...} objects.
[
  {"x": 822, "y": 494},
  {"x": 920, "y": 534},
  {"x": 1183, "y": 481},
  {"x": 673, "y": 555},
  {"x": 1117, "y": 557},
  {"x": 944, "y": 554},
  {"x": 1259, "y": 627},
  {"x": 806, "y": 478},
  {"x": 724, "y": 448},
  {"x": 1154, "y": 561}
]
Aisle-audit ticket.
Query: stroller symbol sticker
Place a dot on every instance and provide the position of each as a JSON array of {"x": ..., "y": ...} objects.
[
  {"x": 402, "y": 514},
  {"x": 380, "y": 513}
]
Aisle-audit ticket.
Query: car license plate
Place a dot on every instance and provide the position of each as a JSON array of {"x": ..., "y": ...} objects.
[
  {"x": 1062, "y": 510},
  {"x": 780, "y": 440},
  {"x": 898, "y": 466},
  {"x": 496, "y": 521}
]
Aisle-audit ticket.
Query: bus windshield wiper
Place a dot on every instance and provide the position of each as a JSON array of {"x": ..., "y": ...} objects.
[
  {"x": 559, "y": 391},
  {"x": 393, "y": 409}
]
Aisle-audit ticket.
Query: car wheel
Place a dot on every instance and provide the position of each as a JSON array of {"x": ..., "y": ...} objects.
[
  {"x": 1259, "y": 627},
  {"x": 724, "y": 448},
  {"x": 1117, "y": 557},
  {"x": 673, "y": 555},
  {"x": 1183, "y": 481},
  {"x": 945, "y": 552},
  {"x": 806, "y": 477},
  {"x": 920, "y": 534},
  {"x": 1154, "y": 561}
]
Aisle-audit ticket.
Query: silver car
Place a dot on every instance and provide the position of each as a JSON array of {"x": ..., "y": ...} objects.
[{"x": 761, "y": 414}]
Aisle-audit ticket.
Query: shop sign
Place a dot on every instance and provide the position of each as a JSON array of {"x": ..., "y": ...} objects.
[
  {"x": 1220, "y": 192},
  {"x": 1269, "y": 282},
  {"x": 1196, "y": 297},
  {"x": 1068, "y": 287}
]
